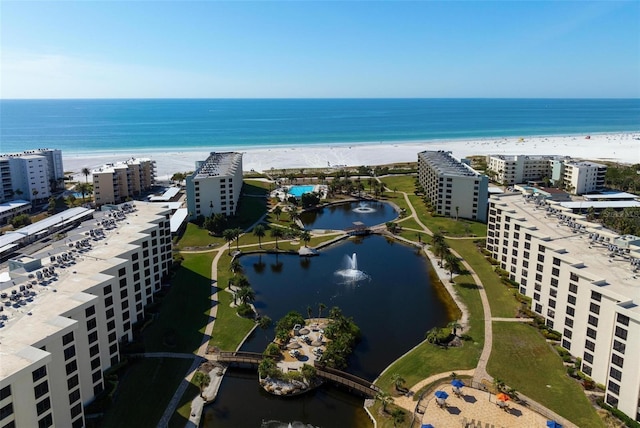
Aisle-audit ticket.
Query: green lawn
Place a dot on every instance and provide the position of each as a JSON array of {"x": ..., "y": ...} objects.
[
  {"x": 449, "y": 226},
  {"x": 144, "y": 392},
  {"x": 525, "y": 361},
  {"x": 501, "y": 299},
  {"x": 184, "y": 310},
  {"x": 402, "y": 183}
]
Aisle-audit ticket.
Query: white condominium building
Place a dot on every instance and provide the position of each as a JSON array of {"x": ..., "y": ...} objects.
[
  {"x": 577, "y": 177},
  {"x": 453, "y": 188},
  {"x": 584, "y": 177},
  {"x": 215, "y": 186},
  {"x": 66, "y": 310},
  {"x": 116, "y": 182},
  {"x": 30, "y": 175},
  {"x": 583, "y": 279}
]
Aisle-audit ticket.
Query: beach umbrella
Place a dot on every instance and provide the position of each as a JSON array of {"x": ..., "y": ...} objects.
[
  {"x": 441, "y": 394},
  {"x": 553, "y": 424},
  {"x": 502, "y": 397},
  {"x": 427, "y": 426},
  {"x": 457, "y": 383}
]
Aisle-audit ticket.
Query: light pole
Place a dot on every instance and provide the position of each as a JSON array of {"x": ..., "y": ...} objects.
[{"x": 211, "y": 208}]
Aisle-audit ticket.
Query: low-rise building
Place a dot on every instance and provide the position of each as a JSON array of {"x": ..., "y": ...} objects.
[
  {"x": 453, "y": 188},
  {"x": 583, "y": 177},
  {"x": 583, "y": 279},
  {"x": 215, "y": 185},
  {"x": 67, "y": 309},
  {"x": 117, "y": 182},
  {"x": 9, "y": 210}
]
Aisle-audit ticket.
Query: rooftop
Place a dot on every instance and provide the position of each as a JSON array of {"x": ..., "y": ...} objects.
[
  {"x": 53, "y": 280},
  {"x": 446, "y": 164},
  {"x": 223, "y": 163},
  {"x": 611, "y": 195},
  {"x": 611, "y": 260},
  {"x": 111, "y": 167}
]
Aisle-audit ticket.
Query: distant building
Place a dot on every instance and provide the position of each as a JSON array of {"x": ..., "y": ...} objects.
[
  {"x": 9, "y": 210},
  {"x": 70, "y": 307},
  {"x": 31, "y": 175},
  {"x": 453, "y": 188},
  {"x": 215, "y": 185},
  {"x": 583, "y": 279},
  {"x": 116, "y": 182},
  {"x": 577, "y": 177}
]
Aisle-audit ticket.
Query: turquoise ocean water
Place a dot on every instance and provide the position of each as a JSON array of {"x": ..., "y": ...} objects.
[{"x": 94, "y": 126}]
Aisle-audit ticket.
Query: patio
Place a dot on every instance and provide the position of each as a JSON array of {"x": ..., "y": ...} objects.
[{"x": 478, "y": 409}]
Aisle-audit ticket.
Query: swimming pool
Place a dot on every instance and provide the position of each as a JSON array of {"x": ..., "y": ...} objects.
[{"x": 298, "y": 191}]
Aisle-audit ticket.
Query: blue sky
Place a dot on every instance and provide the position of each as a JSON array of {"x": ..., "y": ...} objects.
[{"x": 242, "y": 49}]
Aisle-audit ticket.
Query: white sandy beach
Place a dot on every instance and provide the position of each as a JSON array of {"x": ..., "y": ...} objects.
[{"x": 621, "y": 147}]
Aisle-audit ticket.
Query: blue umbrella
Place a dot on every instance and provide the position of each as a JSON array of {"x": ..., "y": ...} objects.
[
  {"x": 553, "y": 424},
  {"x": 427, "y": 426},
  {"x": 457, "y": 383},
  {"x": 441, "y": 394}
]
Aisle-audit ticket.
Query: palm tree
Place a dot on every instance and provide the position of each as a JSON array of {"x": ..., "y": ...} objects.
[
  {"x": 309, "y": 312},
  {"x": 294, "y": 215},
  {"x": 86, "y": 172},
  {"x": 229, "y": 235},
  {"x": 277, "y": 211},
  {"x": 84, "y": 188},
  {"x": 457, "y": 212},
  {"x": 259, "y": 231},
  {"x": 432, "y": 335},
  {"x": 18, "y": 192},
  {"x": 35, "y": 192},
  {"x": 264, "y": 323},
  {"x": 321, "y": 307},
  {"x": 246, "y": 295},
  {"x": 276, "y": 233},
  {"x": 439, "y": 245},
  {"x": 454, "y": 326},
  {"x": 236, "y": 236},
  {"x": 398, "y": 381},
  {"x": 305, "y": 236},
  {"x": 451, "y": 263},
  {"x": 385, "y": 399},
  {"x": 235, "y": 266}
]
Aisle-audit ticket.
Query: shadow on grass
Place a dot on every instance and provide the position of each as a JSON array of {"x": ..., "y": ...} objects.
[{"x": 468, "y": 285}]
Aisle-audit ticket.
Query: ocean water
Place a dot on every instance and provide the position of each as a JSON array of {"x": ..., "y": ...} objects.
[{"x": 103, "y": 125}]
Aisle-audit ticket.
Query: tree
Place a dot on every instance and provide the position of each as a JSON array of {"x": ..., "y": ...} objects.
[
  {"x": 277, "y": 211},
  {"x": 18, "y": 192},
  {"x": 451, "y": 263},
  {"x": 432, "y": 335},
  {"x": 454, "y": 326},
  {"x": 398, "y": 416},
  {"x": 235, "y": 266},
  {"x": 236, "y": 236},
  {"x": 439, "y": 245},
  {"x": 294, "y": 215},
  {"x": 86, "y": 172},
  {"x": 398, "y": 381},
  {"x": 321, "y": 307},
  {"x": 179, "y": 177},
  {"x": 385, "y": 399},
  {"x": 276, "y": 233},
  {"x": 20, "y": 220},
  {"x": 84, "y": 188},
  {"x": 457, "y": 212},
  {"x": 259, "y": 232},
  {"x": 229, "y": 235},
  {"x": 52, "y": 205},
  {"x": 35, "y": 192},
  {"x": 246, "y": 295},
  {"x": 305, "y": 236},
  {"x": 309, "y": 312},
  {"x": 265, "y": 323}
]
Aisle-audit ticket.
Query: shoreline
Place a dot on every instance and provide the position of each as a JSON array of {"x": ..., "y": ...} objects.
[{"x": 621, "y": 147}]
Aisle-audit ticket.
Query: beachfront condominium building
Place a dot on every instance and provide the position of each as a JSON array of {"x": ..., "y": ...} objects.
[
  {"x": 453, "y": 188},
  {"x": 67, "y": 310},
  {"x": 117, "y": 182},
  {"x": 31, "y": 175},
  {"x": 583, "y": 280},
  {"x": 577, "y": 177},
  {"x": 215, "y": 185},
  {"x": 584, "y": 177}
]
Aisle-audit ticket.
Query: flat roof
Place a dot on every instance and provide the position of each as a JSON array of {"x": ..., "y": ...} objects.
[
  {"x": 445, "y": 163},
  {"x": 611, "y": 195},
  {"x": 600, "y": 204},
  {"x": 166, "y": 196},
  {"x": 616, "y": 270},
  {"x": 8, "y": 206},
  {"x": 178, "y": 218},
  {"x": 218, "y": 164}
]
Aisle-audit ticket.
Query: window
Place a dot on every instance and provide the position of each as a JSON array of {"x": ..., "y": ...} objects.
[
  {"x": 614, "y": 387},
  {"x": 538, "y": 308},
  {"x": 591, "y": 346},
  {"x": 588, "y": 357},
  {"x": 107, "y": 290},
  {"x": 46, "y": 422},
  {"x": 39, "y": 373},
  {"x": 556, "y": 261},
  {"x": 596, "y": 296},
  {"x": 615, "y": 373},
  {"x": 586, "y": 369},
  {"x": 617, "y": 360},
  {"x": 96, "y": 376},
  {"x": 74, "y": 396},
  {"x": 43, "y": 406},
  {"x": 41, "y": 389},
  {"x": 71, "y": 367},
  {"x": 573, "y": 277},
  {"x": 621, "y": 333},
  {"x": 538, "y": 277},
  {"x": 555, "y": 272},
  {"x": 623, "y": 319},
  {"x": 541, "y": 258},
  {"x": 552, "y": 303},
  {"x": 111, "y": 325},
  {"x": 591, "y": 333},
  {"x": 593, "y": 320},
  {"x": 573, "y": 288},
  {"x": 594, "y": 308},
  {"x": 567, "y": 333},
  {"x": 94, "y": 350},
  {"x": 571, "y": 299},
  {"x": 568, "y": 322},
  {"x": 5, "y": 392},
  {"x": 72, "y": 381},
  {"x": 6, "y": 411},
  {"x": 91, "y": 310},
  {"x": 122, "y": 272},
  {"x": 76, "y": 410},
  {"x": 95, "y": 363},
  {"x": 566, "y": 344},
  {"x": 69, "y": 353},
  {"x": 108, "y": 301},
  {"x": 619, "y": 346},
  {"x": 536, "y": 297},
  {"x": 67, "y": 338}
]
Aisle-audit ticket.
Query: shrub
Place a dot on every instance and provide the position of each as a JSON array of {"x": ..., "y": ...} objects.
[
  {"x": 245, "y": 310},
  {"x": 272, "y": 350}
]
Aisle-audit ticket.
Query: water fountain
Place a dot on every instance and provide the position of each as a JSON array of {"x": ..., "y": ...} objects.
[
  {"x": 350, "y": 273},
  {"x": 363, "y": 208}
]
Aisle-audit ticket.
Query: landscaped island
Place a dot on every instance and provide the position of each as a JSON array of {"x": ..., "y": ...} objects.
[{"x": 289, "y": 367}]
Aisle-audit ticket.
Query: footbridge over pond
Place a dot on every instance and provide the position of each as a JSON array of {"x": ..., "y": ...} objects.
[{"x": 253, "y": 359}]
